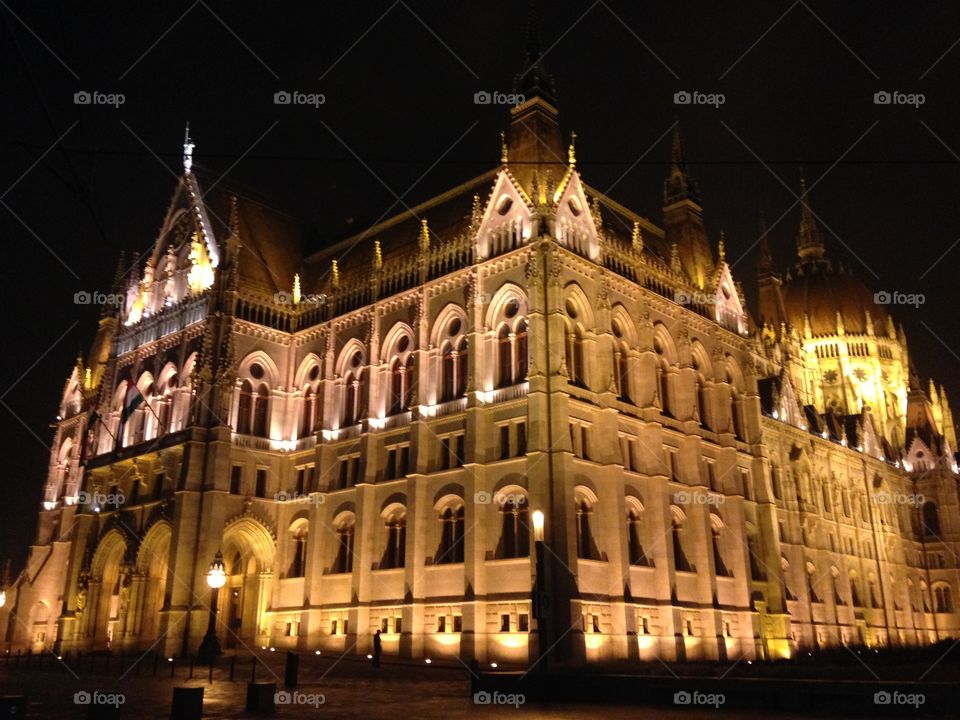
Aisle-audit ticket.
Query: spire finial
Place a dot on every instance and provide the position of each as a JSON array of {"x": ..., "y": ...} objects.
[
  {"x": 810, "y": 245},
  {"x": 637, "y": 238},
  {"x": 188, "y": 146},
  {"x": 533, "y": 80},
  {"x": 424, "y": 235},
  {"x": 572, "y": 150},
  {"x": 675, "y": 257},
  {"x": 377, "y": 256},
  {"x": 678, "y": 185},
  {"x": 504, "y": 149},
  {"x": 722, "y": 247},
  {"x": 296, "y": 288},
  {"x": 334, "y": 275}
]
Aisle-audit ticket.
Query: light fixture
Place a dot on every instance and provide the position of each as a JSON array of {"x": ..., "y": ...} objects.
[
  {"x": 428, "y": 661},
  {"x": 3, "y": 598},
  {"x": 217, "y": 574},
  {"x": 493, "y": 665},
  {"x": 538, "y": 525}
]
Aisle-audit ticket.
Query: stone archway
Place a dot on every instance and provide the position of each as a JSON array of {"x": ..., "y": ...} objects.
[
  {"x": 248, "y": 550},
  {"x": 149, "y": 585},
  {"x": 107, "y": 591}
]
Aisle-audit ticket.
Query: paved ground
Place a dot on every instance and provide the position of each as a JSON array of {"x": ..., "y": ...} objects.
[{"x": 351, "y": 689}]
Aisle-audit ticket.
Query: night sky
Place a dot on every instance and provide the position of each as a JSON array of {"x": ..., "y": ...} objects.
[{"x": 80, "y": 183}]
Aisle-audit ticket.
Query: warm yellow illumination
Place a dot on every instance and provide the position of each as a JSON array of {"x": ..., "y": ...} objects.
[
  {"x": 296, "y": 288},
  {"x": 3, "y": 598},
  {"x": 200, "y": 276},
  {"x": 538, "y": 525},
  {"x": 217, "y": 575}
]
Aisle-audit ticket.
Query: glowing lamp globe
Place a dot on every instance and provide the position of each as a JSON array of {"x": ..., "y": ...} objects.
[
  {"x": 217, "y": 575},
  {"x": 538, "y": 525}
]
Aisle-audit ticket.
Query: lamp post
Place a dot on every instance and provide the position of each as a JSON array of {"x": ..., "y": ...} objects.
[
  {"x": 216, "y": 578},
  {"x": 541, "y": 599}
]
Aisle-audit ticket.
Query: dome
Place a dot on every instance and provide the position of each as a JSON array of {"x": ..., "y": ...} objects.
[{"x": 819, "y": 290}]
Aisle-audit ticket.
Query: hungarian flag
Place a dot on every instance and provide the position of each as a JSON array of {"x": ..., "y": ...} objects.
[
  {"x": 131, "y": 401},
  {"x": 93, "y": 417}
]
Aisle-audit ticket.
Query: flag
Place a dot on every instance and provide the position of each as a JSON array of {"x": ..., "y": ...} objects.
[
  {"x": 93, "y": 417},
  {"x": 131, "y": 401}
]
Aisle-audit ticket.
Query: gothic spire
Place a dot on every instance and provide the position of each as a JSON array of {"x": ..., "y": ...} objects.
[
  {"x": 765, "y": 264},
  {"x": 678, "y": 185},
  {"x": 533, "y": 80},
  {"x": 810, "y": 245}
]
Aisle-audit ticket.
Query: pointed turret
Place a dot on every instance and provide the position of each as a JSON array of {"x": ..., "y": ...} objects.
[
  {"x": 683, "y": 217},
  {"x": 536, "y": 144},
  {"x": 810, "y": 247}
]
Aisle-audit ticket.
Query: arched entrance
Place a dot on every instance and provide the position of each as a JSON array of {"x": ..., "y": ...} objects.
[
  {"x": 108, "y": 591},
  {"x": 248, "y": 553},
  {"x": 150, "y": 584}
]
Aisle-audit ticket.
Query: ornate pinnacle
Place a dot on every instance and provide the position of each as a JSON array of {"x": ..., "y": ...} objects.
[
  {"x": 296, "y": 288},
  {"x": 424, "y": 236},
  {"x": 188, "y": 146},
  {"x": 675, "y": 258},
  {"x": 637, "y": 238},
  {"x": 335, "y": 275},
  {"x": 504, "y": 150},
  {"x": 572, "y": 150},
  {"x": 721, "y": 247},
  {"x": 377, "y": 256}
]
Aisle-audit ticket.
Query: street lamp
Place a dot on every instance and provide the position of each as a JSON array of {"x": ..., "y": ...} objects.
[
  {"x": 538, "y": 525},
  {"x": 541, "y": 598},
  {"x": 216, "y": 579}
]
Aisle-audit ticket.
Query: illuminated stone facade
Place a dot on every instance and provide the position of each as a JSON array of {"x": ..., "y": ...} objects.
[{"x": 365, "y": 433}]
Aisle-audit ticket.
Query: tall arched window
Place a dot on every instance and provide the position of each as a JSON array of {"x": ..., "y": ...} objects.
[
  {"x": 638, "y": 555},
  {"x": 448, "y": 376},
  {"x": 397, "y": 372},
  {"x": 680, "y": 561},
  {"x": 505, "y": 357},
  {"x": 716, "y": 530},
  {"x": 245, "y": 408},
  {"x": 586, "y": 547},
  {"x": 520, "y": 351},
  {"x": 451, "y": 535},
  {"x": 515, "y": 528},
  {"x": 396, "y": 529},
  {"x": 298, "y": 549},
  {"x": 343, "y": 561},
  {"x": 574, "y": 356},
  {"x": 261, "y": 405},
  {"x": 308, "y": 419},
  {"x": 352, "y": 386},
  {"x": 931, "y": 519},
  {"x": 621, "y": 372}
]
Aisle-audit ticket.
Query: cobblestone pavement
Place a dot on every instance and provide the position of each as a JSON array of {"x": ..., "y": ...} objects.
[{"x": 350, "y": 688}]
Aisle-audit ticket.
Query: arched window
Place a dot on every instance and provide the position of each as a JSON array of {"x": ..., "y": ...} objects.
[
  {"x": 621, "y": 372},
  {"x": 586, "y": 547},
  {"x": 261, "y": 404},
  {"x": 702, "y": 408},
  {"x": 461, "y": 373},
  {"x": 448, "y": 377},
  {"x": 638, "y": 555},
  {"x": 757, "y": 571},
  {"x": 515, "y": 527},
  {"x": 397, "y": 394},
  {"x": 505, "y": 357},
  {"x": 680, "y": 561},
  {"x": 520, "y": 352},
  {"x": 574, "y": 356},
  {"x": 352, "y": 386},
  {"x": 931, "y": 519},
  {"x": 308, "y": 419},
  {"x": 943, "y": 599},
  {"x": 663, "y": 377},
  {"x": 245, "y": 408},
  {"x": 396, "y": 528},
  {"x": 451, "y": 535},
  {"x": 716, "y": 530},
  {"x": 343, "y": 561},
  {"x": 298, "y": 560}
]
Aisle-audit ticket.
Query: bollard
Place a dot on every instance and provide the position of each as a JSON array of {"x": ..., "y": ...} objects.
[
  {"x": 233, "y": 663},
  {"x": 292, "y": 670},
  {"x": 260, "y": 697},
  {"x": 187, "y": 703}
]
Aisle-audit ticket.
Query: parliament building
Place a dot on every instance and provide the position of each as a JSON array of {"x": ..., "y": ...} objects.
[{"x": 516, "y": 417}]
